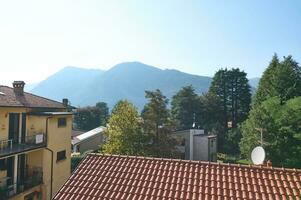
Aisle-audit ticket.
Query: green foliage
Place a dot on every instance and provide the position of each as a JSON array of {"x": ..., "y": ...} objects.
[
  {"x": 186, "y": 108},
  {"x": 232, "y": 139},
  {"x": 233, "y": 94},
  {"x": 280, "y": 79},
  {"x": 155, "y": 113},
  {"x": 90, "y": 117},
  {"x": 157, "y": 125},
  {"x": 211, "y": 113},
  {"x": 124, "y": 131},
  {"x": 103, "y": 113},
  {"x": 76, "y": 159},
  {"x": 282, "y": 131}
]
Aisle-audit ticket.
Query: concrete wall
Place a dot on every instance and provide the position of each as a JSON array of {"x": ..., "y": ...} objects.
[{"x": 200, "y": 150}]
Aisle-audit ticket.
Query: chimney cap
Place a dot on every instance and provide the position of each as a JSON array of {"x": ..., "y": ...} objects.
[
  {"x": 19, "y": 87},
  {"x": 18, "y": 82}
]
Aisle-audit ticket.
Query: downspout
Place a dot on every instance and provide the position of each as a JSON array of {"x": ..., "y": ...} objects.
[{"x": 51, "y": 176}]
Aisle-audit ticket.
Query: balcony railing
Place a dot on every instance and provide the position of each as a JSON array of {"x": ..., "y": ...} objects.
[
  {"x": 8, "y": 147},
  {"x": 33, "y": 177}
]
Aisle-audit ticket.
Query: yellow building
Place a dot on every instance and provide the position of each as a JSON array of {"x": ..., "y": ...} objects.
[{"x": 35, "y": 145}]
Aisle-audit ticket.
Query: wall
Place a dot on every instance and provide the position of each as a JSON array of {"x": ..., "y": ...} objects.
[
  {"x": 200, "y": 148},
  {"x": 58, "y": 139},
  {"x": 4, "y": 118}
]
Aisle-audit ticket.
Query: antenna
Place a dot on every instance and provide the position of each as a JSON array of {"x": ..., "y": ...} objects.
[{"x": 258, "y": 155}]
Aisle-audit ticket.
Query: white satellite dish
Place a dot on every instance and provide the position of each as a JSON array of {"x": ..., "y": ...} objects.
[{"x": 258, "y": 155}]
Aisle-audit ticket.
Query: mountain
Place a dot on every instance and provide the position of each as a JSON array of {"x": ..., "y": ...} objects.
[
  {"x": 69, "y": 82},
  {"x": 124, "y": 81}
]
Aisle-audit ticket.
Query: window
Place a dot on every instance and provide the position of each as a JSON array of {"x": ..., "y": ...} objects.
[
  {"x": 61, "y": 155},
  {"x": 62, "y": 122},
  {"x": 3, "y": 164}
]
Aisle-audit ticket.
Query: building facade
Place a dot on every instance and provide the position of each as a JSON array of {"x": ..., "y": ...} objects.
[
  {"x": 195, "y": 144},
  {"x": 35, "y": 144}
]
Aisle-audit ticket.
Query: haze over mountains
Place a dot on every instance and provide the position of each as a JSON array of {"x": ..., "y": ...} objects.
[{"x": 124, "y": 81}]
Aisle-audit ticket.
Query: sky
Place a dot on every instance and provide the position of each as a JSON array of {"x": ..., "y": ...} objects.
[{"x": 40, "y": 37}]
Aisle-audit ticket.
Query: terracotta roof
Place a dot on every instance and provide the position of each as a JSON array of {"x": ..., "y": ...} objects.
[
  {"x": 121, "y": 177},
  {"x": 8, "y": 98}
]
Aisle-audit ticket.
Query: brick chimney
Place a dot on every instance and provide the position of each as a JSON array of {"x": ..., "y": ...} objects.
[
  {"x": 19, "y": 87},
  {"x": 65, "y": 102}
]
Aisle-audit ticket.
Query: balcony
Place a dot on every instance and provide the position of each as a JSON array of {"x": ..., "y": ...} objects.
[
  {"x": 9, "y": 147},
  {"x": 33, "y": 177}
]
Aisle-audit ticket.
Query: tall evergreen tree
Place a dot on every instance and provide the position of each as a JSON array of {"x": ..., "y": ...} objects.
[
  {"x": 234, "y": 92},
  {"x": 155, "y": 113},
  {"x": 280, "y": 79},
  {"x": 232, "y": 89},
  {"x": 281, "y": 128},
  {"x": 186, "y": 108},
  {"x": 157, "y": 124}
]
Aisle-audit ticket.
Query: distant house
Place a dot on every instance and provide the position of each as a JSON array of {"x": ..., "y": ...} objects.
[
  {"x": 135, "y": 178},
  {"x": 195, "y": 144},
  {"x": 85, "y": 141}
]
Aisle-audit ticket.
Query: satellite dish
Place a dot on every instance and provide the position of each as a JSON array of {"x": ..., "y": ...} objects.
[{"x": 258, "y": 155}]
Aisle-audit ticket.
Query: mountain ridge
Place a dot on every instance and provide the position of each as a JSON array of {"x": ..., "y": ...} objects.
[{"x": 126, "y": 80}]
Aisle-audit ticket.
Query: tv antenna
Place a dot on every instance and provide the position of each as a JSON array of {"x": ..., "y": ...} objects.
[{"x": 258, "y": 155}]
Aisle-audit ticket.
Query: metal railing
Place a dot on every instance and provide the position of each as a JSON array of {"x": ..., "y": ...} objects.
[
  {"x": 20, "y": 144},
  {"x": 33, "y": 177}
]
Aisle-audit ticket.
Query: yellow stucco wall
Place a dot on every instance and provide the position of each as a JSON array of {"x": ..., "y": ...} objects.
[
  {"x": 4, "y": 118},
  {"x": 58, "y": 139}
]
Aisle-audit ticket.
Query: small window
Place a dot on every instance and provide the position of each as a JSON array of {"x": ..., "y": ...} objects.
[
  {"x": 61, "y": 155},
  {"x": 3, "y": 164},
  {"x": 62, "y": 122}
]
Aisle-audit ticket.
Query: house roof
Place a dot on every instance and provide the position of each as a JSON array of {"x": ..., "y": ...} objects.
[
  {"x": 121, "y": 177},
  {"x": 8, "y": 98},
  {"x": 75, "y": 133},
  {"x": 86, "y": 135}
]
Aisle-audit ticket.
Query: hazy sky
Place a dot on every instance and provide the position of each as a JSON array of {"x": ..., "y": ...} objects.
[{"x": 37, "y": 38}]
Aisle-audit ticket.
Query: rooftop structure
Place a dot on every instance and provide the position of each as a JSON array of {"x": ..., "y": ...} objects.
[{"x": 126, "y": 177}]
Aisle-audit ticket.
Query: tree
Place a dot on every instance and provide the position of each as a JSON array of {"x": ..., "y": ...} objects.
[
  {"x": 186, "y": 108},
  {"x": 281, "y": 131},
  {"x": 124, "y": 133},
  {"x": 157, "y": 124},
  {"x": 104, "y": 113},
  {"x": 233, "y": 92},
  {"x": 280, "y": 79},
  {"x": 90, "y": 117},
  {"x": 155, "y": 113},
  {"x": 212, "y": 112}
]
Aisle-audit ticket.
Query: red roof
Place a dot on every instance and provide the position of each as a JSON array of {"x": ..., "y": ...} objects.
[
  {"x": 122, "y": 177},
  {"x": 8, "y": 98}
]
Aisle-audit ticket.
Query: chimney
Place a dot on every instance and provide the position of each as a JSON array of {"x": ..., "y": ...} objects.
[
  {"x": 19, "y": 87},
  {"x": 65, "y": 102}
]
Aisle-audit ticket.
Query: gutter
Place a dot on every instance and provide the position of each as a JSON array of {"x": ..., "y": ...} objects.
[{"x": 51, "y": 176}]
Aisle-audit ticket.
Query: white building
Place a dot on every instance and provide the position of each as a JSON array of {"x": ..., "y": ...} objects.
[
  {"x": 196, "y": 145},
  {"x": 91, "y": 140}
]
